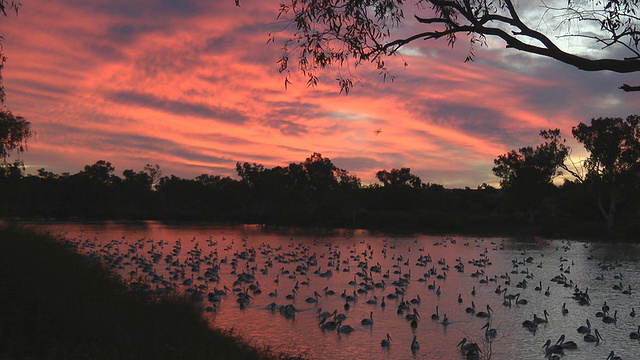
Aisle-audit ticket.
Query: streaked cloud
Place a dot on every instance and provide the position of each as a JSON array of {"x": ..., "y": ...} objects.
[{"x": 194, "y": 86}]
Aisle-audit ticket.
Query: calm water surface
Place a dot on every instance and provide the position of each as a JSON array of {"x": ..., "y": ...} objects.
[{"x": 368, "y": 266}]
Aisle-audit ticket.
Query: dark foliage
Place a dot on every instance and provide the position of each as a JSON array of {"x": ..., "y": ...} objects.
[{"x": 313, "y": 193}]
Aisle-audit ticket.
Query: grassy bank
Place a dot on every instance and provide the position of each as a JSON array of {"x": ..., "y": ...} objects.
[{"x": 57, "y": 304}]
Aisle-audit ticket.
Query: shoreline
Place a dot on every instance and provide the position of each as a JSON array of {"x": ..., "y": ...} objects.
[{"x": 60, "y": 304}]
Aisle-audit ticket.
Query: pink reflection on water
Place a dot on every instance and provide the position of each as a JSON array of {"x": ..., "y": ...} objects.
[{"x": 286, "y": 260}]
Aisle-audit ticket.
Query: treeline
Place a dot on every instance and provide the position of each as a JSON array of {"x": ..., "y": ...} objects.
[{"x": 312, "y": 193}]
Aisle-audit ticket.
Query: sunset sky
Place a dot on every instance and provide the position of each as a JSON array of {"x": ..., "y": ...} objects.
[{"x": 194, "y": 87}]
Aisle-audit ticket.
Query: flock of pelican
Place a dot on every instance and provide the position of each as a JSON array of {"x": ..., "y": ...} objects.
[{"x": 227, "y": 272}]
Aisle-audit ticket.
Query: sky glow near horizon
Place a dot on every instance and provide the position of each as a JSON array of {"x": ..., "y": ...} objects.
[{"x": 194, "y": 87}]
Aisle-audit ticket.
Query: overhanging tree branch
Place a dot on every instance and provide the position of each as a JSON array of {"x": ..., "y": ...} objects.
[{"x": 331, "y": 32}]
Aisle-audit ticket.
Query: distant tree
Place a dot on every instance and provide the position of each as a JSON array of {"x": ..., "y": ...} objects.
[
  {"x": 154, "y": 173},
  {"x": 101, "y": 171},
  {"x": 335, "y": 32},
  {"x": 44, "y": 174},
  {"x": 399, "y": 178},
  {"x": 612, "y": 169},
  {"x": 321, "y": 173},
  {"x": 527, "y": 174},
  {"x": 14, "y": 133}
]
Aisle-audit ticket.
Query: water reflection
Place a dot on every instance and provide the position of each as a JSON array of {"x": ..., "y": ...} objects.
[{"x": 408, "y": 285}]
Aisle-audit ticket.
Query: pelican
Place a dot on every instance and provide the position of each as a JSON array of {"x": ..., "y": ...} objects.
[
  {"x": 415, "y": 346},
  {"x": 612, "y": 356},
  {"x": 469, "y": 349},
  {"x": 386, "y": 341},
  {"x": 585, "y": 329},
  {"x": 489, "y": 332},
  {"x": 471, "y": 309},
  {"x": 564, "y": 309},
  {"x": 436, "y": 316},
  {"x": 445, "y": 320},
  {"x": 520, "y": 301},
  {"x": 329, "y": 325},
  {"x": 595, "y": 337},
  {"x": 328, "y": 291},
  {"x": 546, "y": 318},
  {"x": 539, "y": 287},
  {"x": 292, "y": 295},
  {"x": 605, "y": 307},
  {"x": 551, "y": 350},
  {"x": 483, "y": 314},
  {"x": 373, "y": 301},
  {"x": 325, "y": 314},
  {"x": 413, "y": 316},
  {"x": 611, "y": 320},
  {"x": 531, "y": 325},
  {"x": 633, "y": 312},
  {"x": 566, "y": 344},
  {"x": 339, "y": 317},
  {"x": 635, "y": 335},
  {"x": 313, "y": 299},
  {"x": 368, "y": 321},
  {"x": 343, "y": 328}
]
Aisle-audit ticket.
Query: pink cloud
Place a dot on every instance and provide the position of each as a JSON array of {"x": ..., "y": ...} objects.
[{"x": 197, "y": 89}]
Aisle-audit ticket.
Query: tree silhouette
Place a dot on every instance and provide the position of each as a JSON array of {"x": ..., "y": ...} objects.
[
  {"x": 14, "y": 133},
  {"x": 398, "y": 178},
  {"x": 335, "y": 32},
  {"x": 613, "y": 165},
  {"x": 527, "y": 174},
  {"x": 5, "y": 6}
]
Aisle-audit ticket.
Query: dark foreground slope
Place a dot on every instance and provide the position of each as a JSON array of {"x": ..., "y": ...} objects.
[{"x": 57, "y": 304}]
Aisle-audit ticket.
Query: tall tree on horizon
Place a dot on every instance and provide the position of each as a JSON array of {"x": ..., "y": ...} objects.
[
  {"x": 527, "y": 174},
  {"x": 612, "y": 168}
]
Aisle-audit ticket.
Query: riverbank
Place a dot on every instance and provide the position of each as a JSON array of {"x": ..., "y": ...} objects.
[{"x": 57, "y": 304}]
